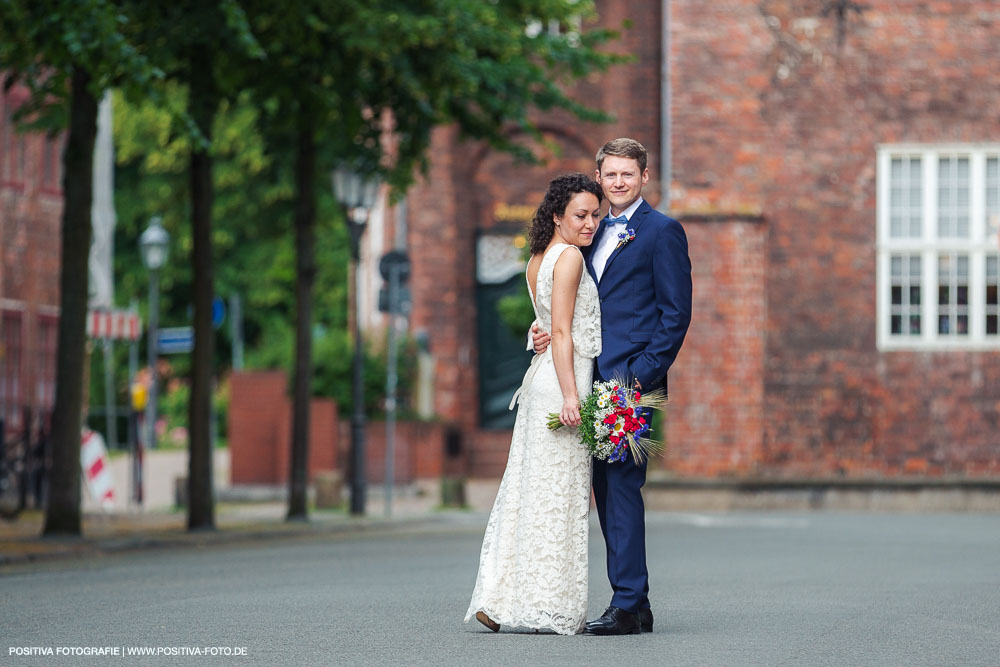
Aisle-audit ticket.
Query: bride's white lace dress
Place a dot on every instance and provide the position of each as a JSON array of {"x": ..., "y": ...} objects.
[{"x": 533, "y": 565}]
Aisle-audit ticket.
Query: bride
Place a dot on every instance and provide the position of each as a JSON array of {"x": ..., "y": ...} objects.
[{"x": 533, "y": 564}]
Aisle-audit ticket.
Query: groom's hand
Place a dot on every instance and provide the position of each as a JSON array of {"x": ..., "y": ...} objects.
[{"x": 539, "y": 339}]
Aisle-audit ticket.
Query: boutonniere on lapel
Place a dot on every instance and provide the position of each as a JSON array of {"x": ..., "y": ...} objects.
[{"x": 625, "y": 237}]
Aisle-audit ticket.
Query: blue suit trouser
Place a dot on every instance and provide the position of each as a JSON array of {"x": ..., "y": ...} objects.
[{"x": 617, "y": 491}]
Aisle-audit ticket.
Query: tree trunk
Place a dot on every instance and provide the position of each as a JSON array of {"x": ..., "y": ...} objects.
[
  {"x": 62, "y": 516},
  {"x": 201, "y": 501},
  {"x": 305, "y": 243}
]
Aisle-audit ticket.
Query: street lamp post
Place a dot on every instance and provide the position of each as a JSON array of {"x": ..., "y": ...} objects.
[
  {"x": 153, "y": 248},
  {"x": 356, "y": 193}
]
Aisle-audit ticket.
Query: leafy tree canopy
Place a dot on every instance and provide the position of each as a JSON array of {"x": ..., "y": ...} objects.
[
  {"x": 252, "y": 218},
  {"x": 41, "y": 42},
  {"x": 486, "y": 66}
]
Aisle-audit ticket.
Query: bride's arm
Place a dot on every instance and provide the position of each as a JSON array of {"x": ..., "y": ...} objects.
[{"x": 565, "y": 281}]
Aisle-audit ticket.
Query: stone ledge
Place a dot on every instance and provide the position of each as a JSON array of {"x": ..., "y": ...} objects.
[
  {"x": 798, "y": 483},
  {"x": 890, "y": 494}
]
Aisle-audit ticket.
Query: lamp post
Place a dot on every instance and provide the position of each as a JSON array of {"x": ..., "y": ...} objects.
[
  {"x": 153, "y": 248},
  {"x": 356, "y": 193}
]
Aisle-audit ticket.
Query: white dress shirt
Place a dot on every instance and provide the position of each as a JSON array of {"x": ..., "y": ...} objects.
[{"x": 610, "y": 239}]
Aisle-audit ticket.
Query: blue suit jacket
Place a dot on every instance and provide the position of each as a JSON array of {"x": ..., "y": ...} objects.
[{"x": 645, "y": 299}]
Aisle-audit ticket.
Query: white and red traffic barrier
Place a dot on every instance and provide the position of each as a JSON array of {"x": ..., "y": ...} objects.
[
  {"x": 96, "y": 468},
  {"x": 114, "y": 324}
]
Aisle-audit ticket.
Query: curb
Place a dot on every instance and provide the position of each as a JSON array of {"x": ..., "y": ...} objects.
[
  {"x": 26, "y": 550},
  {"x": 879, "y": 495}
]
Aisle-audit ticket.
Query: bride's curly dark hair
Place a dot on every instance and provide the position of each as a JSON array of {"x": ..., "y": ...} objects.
[{"x": 561, "y": 190}]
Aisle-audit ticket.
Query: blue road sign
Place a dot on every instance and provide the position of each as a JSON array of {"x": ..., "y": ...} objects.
[
  {"x": 175, "y": 340},
  {"x": 218, "y": 312}
]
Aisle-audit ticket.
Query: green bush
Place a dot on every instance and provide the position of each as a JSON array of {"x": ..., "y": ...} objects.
[
  {"x": 220, "y": 401},
  {"x": 173, "y": 404},
  {"x": 517, "y": 312},
  {"x": 172, "y": 407},
  {"x": 333, "y": 356}
]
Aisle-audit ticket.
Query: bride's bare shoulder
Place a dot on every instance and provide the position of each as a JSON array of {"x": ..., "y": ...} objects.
[{"x": 569, "y": 265}]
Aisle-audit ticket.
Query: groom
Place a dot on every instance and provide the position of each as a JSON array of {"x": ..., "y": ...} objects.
[{"x": 639, "y": 259}]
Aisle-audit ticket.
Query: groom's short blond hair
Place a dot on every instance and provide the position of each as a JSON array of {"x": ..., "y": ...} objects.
[{"x": 623, "y": 147}]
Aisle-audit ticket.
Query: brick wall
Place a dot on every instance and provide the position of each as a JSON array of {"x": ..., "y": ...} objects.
[
  {"x": 30, "y": 213},
  {"x": 715, "y": 413},
  {"x": 260, "y": 430},
  {"x": 777, "y": 111},
  {"x": 30, "y": 210},
  {"x": 769, "y": 110},
  {"x": 488, "y": 453},
  {"x": 260, "y": 434},
  {"x": 419, "y": 451},
  {"x": 442, "y": 244}
]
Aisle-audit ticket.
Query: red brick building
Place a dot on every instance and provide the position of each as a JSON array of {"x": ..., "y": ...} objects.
[
  {"x": 838, "y": 175},
  {"x": 30, "y": 210}
]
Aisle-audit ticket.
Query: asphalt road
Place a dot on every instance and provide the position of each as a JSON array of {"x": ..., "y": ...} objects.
[{"x": 732, "y": 589}]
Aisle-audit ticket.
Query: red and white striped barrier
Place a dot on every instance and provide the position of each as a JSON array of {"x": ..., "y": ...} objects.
[
  {"x": 96, "y": 471},
  {"x": 114, "y": 324}
]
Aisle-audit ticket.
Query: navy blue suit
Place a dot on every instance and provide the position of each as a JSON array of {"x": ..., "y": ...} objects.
[{"x": 645, "y": 295}]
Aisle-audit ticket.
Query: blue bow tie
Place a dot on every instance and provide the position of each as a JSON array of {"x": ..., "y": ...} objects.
[{"x": 614, "y": 221}]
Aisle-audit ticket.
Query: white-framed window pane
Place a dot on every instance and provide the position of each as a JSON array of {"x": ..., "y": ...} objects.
[
  {"x": 939, "y": 246},
  {"x": 993, "y": 201},
  {"x": 953, "y": 294},
  {"x": 905, "y": 197},
  {"x": 953, "y": 197},
  {"x": 905, "y": 295},
  {"x": 992, "y": 295}
]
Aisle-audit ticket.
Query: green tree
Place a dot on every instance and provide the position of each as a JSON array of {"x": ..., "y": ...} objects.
[
  {"x": 200, "y": 45},
  {"x": 351, "y": 65},
  {"x": 488, "y": 67},
  {"x": 67, "y": 52},
  {"x": 304, "y": 74},
  {"x": 252, "y": 213}
]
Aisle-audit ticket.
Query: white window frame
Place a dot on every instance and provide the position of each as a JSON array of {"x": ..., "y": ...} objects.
[{"x": 929, "y": 246}]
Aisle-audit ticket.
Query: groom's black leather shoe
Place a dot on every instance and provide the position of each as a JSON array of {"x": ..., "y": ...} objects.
[
  {"x": 615, "y": 621},
  {"x": 646, "y": 619}
]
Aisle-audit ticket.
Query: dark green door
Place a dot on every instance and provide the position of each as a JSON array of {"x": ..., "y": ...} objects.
[{"x": 503, "y": 358}]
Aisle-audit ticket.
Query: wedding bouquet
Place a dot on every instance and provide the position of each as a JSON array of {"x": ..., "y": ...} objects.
[{"x": 615, "y": 421}]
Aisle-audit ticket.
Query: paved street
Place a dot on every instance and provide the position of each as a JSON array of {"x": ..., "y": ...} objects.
[{"x": 728, "y": 589}]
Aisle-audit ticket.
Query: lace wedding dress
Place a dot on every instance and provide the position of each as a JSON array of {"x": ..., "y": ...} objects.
[{"x": 533, "y": 564}]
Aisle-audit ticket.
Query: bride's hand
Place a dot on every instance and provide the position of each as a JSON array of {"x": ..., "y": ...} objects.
[{"x": 570, "y": 415}]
